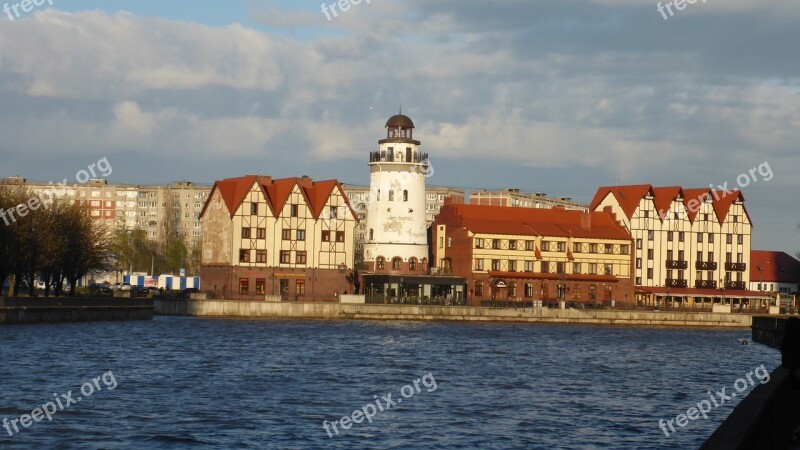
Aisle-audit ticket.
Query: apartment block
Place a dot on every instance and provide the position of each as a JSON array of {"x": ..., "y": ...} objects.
[{"x": 515, "y": 198}]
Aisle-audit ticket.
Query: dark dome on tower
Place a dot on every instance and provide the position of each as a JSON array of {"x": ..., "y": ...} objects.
[{"x": 399, "y": 121}]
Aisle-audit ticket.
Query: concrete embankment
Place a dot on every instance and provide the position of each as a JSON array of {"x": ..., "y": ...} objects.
[
  {"x": 77, "y": 309},
  {"x": 262, "y": 309}
]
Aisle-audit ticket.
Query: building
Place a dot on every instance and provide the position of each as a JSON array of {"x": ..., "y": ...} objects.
[
  {"x": 774, "y": 272},
  {"x": 359, "y": 197},
  {"x": 692, "y": 245},
  {"x": 395, "y": 267},
  {"x": 515, "y": 198},
  {"x": 290, "y": 238},
  {"x": 534, "y": 255}
]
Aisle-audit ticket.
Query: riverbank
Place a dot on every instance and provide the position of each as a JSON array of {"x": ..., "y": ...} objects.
[
  {"x": 284, "y": 310},
  {"x": 26, "y": 310}
]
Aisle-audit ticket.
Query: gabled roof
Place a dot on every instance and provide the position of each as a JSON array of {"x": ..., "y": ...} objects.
[
  {"x": 628, "y": 197},
  {"x": 778, "y": 267},
  {"x": 663, "y": 198},
  {"x": 700, "y": 195},
  {"x": 554, "y": 222},
  {"x": 276, "y": 192}
]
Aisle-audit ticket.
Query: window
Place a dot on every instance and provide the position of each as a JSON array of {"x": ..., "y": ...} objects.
[
  {"x": 710, "y": 256},
  {"x": 512, "y": 266},
  {"x": 261, "y": 284},
  {"x": 528, "y": 266},
  {"x": 561, "y": 246},
  {"x": 244, "y": 255},
  {"x": 608, "y": 269},
  {"x": 545, "y": 267},
  {"x": 592, "y": 248},
  {"x": 286, "y": 257},
  {"x": 300, "y": 257},
  {"x": 576, "y": 248},
  {"x": 699, "y": 238},
  {"x": 638, "y": 244},
  {"x": 244, "y": 285},
  {"x": 261, "y": 256},
  {"x": 528, "y": 290},
  {"x": 728, "y": 258},
  {"x": 624, "y": 249},
  {"x": 729, "y": 238},
  {"x": 246, "y": 233},
  {"x": 740, "y": 239},
  {"x": 681, "y": 256},
  {"x": 391, "y": 195},
  {"x": 405, "y": 195},
  {"x": 638, "y": 263},
  {"x": 739, "y": 257},
  {"x": 681, "y": 236},
  {"x": 576, "y": 268},
  {"x": 650, "y": 254},
  {"x": 592, "y": 292},
  {"x": 301, "y": 235},
  {"x": 561, "y": 267},
  {"x": 609, "y": 249},
  {"x": 545, "y": 246},
  {"x": 669, "y": 236},
  {"x": 669, "y": 255},
  {"x": 333, "y": 212},
  {"x": 638, "y": 281},
  {"x": 412, "y": 264},
  {"x": 381, "y": 262},
  {"x": 340, "y": 236},
  {"x": 699, "y": 255},
  {"x": 300, "y": 288},
  {"x": 479, "y": 288},
  {"x": 371, "y": 234},
  {"x": 478, "y": 243},
  {"x": 397, "y": 263},
  {"x": 379, "y": 195},
  {"x": 477, "y": 264},
  {"x": 495, "y": 264},
  {"x": 261, "y": 233},
  {"x": 326, "y": 235},
  {"x": 592, "y": 269},
  {"x": 512, "y": 245},
  {"x": 495, "y": 244},
  {"x": 286, "y": 234},
  {"x": 650, "y": 274},
  {"x": 293, "y": 209},
  {"x": 512, "y": 289},
  {"x": 529, "y": 245},
  {"x": 710, "y": 238},
  {"x": 254, "y": 209},
  {"x": 647, "y": 214}
]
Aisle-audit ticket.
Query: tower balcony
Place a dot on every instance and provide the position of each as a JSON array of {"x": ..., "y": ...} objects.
[
  {"x": 735, "y": 267},
  {"x": 676, "y": 282},
  {"x": 676, "y": 264},
  {"x": 379, "y": 156},
  {"x": 705, "y": 265}
]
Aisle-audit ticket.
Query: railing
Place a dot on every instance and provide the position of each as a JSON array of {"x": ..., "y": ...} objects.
[
  {"x": 390, "y": 157},
  {"x": 705, "y": 265},
  {"x": 705, "y": 284},
  {"x": 676, "y": 282},
  {"x": 735, "y": 285},
  {"x": 735, "y": 267},
  {"x": 436, "y": 300},
  {"x": 677, "y": 264}
]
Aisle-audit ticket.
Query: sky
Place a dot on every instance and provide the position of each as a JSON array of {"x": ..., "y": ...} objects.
[{"x": 558, "y": 96}]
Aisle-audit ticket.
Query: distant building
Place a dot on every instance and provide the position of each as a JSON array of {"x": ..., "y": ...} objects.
[
  {"x": 290, "y": 237},
  {"x": 692, "y": 245},
  {"x": 774, "y": 272},
  {"x": 515, "y": 198},
  {"x": 534, "y": 255}
]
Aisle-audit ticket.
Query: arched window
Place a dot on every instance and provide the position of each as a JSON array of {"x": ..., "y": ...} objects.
[
  {"x": 412, "y": 264},
  {"x": 424, "y": 264},
  {"x": 371, "y": 234},
  {"x": 528, "y": 290},
  {"x": 592, "y": 292},
  {"x": 479, "y": 288},
  {"x": 397, "y": 263},
  {"x": 512, "y": 290},
  {"x": 391, "y": 195},
  {"x": 405, "y": 195},
  {"x": 380, "y": 262}
]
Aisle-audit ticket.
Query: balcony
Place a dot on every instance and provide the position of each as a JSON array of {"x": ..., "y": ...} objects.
[
  {"x": 735, "y": 267},
  {"x": 705, "y": 265},
  {"x": 677, "y": 264},
  {"x": 676, "y": 283},
  {"x": 705, "y": 284},
  {"x": 390, "y": 157},
  {"x": 735, "y": 285}
]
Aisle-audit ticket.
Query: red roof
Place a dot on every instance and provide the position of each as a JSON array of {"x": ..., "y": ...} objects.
[
  {"x": 629, "y": 198},
  {"x": 276, "y": 192},
  {"x": 531, "y": 221},
  {"x": 777, "y": 267}
]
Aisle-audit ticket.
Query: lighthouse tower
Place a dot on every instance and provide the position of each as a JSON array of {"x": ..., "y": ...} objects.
[{"x": 396, "y": 240}]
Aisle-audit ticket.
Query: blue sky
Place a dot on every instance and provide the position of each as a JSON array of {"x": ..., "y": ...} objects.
[{"x": 555, "y": 96}]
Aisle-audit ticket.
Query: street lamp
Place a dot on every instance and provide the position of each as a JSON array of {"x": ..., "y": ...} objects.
[{"x": 342, "y": 270}]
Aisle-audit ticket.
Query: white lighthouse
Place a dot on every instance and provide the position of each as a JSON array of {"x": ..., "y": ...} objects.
[{"x": 396, "y": 240}]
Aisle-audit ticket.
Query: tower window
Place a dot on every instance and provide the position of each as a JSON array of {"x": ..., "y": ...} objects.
[
  {"x": 379, "y": 195},
  {"x": 405, "y": 195},
  {"x": 391, "y": 195},
  {"x": 371, "y": 234}
]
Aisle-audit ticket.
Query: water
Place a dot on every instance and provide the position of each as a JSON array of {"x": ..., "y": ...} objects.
[{"x": 212, "y": 383}]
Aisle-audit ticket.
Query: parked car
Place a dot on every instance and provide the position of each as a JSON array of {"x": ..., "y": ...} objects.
[
  {"x": 99, "y": 289},
  {"x": 139, "y": 290}
]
